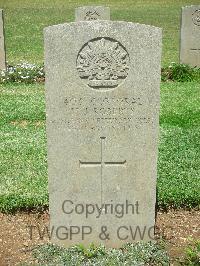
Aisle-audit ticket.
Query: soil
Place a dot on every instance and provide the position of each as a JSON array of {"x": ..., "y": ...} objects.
[{"x": 19, "y": 234}]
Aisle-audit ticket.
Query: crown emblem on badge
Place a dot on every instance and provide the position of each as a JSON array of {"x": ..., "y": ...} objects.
[
  {"x": 196, "y": 17},
  {"x": 103, "y": 63}
]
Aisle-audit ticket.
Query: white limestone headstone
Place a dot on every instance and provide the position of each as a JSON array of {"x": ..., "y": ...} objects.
[
  {"x": 190, "y": 36},
  {"x": 2, "y": 42},
  {"x": 102, "y": 103},
  {"x": 90, "y": 13}
]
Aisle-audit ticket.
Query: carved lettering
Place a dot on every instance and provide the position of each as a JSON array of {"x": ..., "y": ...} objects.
[{"x": 92, "y": 15}]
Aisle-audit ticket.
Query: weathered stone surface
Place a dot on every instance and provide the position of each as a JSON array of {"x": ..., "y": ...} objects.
[
  {"x": 2, "y": 42},
  {"x": 190, "y": 36},
  {"x": 89, "y": 13},
  {"x": 102, "y": 102}
]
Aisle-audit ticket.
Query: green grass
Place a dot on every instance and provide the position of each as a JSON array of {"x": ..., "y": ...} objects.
[
  {"x": 25, "y": 20},
  {"x": 179, "y": 150},
  {"x": 23, "y": 169}
]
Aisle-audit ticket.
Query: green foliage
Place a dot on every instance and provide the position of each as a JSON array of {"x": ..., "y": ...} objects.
[
  {"x": 180, "y": 73},
  {"x": 92, "y": 251},
  {"x": 31, "y": 73},
  {"x": 131, "y": 254},
  {"x": 23, "y": 72},
  {"x": 193, "y": 254}
]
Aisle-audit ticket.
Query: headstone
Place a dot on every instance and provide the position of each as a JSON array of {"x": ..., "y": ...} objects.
[
  {"x": 102, "y": 102},
  {"x": 89, "y": 13},
  {"x": 190, "y": 36},
  {"x": 2, "y": 42}
]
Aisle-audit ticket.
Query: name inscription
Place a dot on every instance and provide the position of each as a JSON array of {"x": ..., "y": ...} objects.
[{"x": 97, "y": 113}]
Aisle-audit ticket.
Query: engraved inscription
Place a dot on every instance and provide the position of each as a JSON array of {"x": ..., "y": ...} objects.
[
  {"x": 91, "y": 15},
  {"x": 196, "y": 17},
  {"x": 103, "y": 63},
  {"x": 99, "y": 113},
  {"x": 102, "y": 164},
  {"x": 195, "y": 49}
]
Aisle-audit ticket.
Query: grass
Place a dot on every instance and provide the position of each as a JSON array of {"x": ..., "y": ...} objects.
[
  {"x": 23, "y": 147},
  {"x": 179, "y": 150},
  {"x": 23, "y": 180},
  {"x": 25, "y": 20}
]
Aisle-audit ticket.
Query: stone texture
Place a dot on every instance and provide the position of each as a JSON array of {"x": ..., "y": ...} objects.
[
  {"x": 89, "y": 13},
  {"x": 2, "y": 42},
  {"x": 102, "y": 103},
  {"x": 190, "y": 36}
]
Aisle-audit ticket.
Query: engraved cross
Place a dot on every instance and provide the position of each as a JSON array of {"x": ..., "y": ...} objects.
[{"x": 102, "y": 163}]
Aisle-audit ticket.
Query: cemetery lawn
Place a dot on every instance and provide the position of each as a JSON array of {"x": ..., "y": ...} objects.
[
  {"x": 23, "y": 153},
  {"x": 25, "y": 21}
]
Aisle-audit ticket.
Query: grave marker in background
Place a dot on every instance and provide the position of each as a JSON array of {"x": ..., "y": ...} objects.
[
  {"x": 90, "y": 13},
  {"x": 102, "y": 102},
  {"x": 190, "y": 36},
  {"x": 2, "y": 42}
]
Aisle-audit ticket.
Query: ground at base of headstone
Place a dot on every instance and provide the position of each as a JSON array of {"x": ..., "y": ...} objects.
[{"x": 174, "y": 233}]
